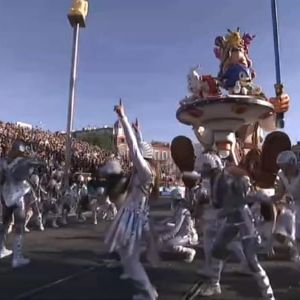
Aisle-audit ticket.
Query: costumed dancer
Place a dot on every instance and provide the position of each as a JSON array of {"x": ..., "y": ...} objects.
[
  {"x": 230, "y": 193},
  {"x": 50, "y": 203},
  {"x": 97, "y": 203},
  {"x": 131, "y": 226},
  {"x": 96, "y": 189},
  {"x": 182, "y": 235},
  {"x": 287, "y": 189},
  {"x": 68, "y": 200},
  {"x": 83, "y": 199},
  {"x": 108, "y": 209},
  {"x": 116, "y": 183},
  {"x": 265, "y": 216},
  {"x": 210, "y": 166},
  {"x": 33, "y": 202},
  {"x": 15, "y": 169}
]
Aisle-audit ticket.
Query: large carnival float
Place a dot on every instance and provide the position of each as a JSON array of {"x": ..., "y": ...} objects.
[{"x": 227, "y": 112}]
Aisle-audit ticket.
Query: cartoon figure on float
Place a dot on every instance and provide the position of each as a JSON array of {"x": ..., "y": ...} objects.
[{"x": 229, "y": 113}]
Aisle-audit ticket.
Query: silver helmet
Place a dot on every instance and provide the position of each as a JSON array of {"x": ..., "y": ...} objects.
[
  {"x": 80, "y": 178},
  {"x": 110, "y": 167},
  {"x": 34, "y": 179},
  {"x": 177, "y": 193},
  {"x": 212, "y": 160},
  {"x": 287, "y": 158}
]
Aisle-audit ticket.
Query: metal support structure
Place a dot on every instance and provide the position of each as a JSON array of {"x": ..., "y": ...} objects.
[
  {"x": 71, "y": 107},
  {"x": 278, "y": 85}
]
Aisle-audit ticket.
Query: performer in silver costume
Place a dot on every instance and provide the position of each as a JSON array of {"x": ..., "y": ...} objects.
[
  {"x": 50, "y": 203},
  {"x": 230, "y": 194},
  {"x": 33, "y": 201},
  {"x": 68, "y": 201},
  {"x": 15, "y": 171},
  {"x": 182, "y": 235},
  {"x": 115, "y": 182},
  {"x": 209, "y": 168},
  {"x": 231, "y": 225},
  {"x": 83, "y": 201},
  {"x": 108, "y": 209},
  {"x": 131, "y": 227},
  {"x": 210, "y": 165},
  {"x": 287, "y": 188}
]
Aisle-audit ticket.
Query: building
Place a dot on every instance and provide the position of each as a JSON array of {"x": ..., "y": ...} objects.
[
  {"x": 120, "y": 140},
  {"x": 95, "y": 130},
  {"x": 24, "y": 125},
  {"x": 162, "y": 154}
]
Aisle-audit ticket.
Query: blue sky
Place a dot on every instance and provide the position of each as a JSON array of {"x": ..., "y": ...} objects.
[{"x": 135, "y": 49}]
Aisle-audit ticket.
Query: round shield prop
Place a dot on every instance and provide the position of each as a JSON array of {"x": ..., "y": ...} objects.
[
  {"x": 268, "y": 211},
  {"x": 275, "y": 142},
  {"x": 265, "y": 180},
  {"x": 182, "y": 151}
]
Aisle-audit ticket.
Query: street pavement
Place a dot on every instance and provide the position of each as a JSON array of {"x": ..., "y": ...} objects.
[{"x": 71, "y": 263}]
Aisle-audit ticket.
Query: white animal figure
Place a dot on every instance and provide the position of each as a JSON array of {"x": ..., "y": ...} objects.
[{"x": 196, "y": 85}]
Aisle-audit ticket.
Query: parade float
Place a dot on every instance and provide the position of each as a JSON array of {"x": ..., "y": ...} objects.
[{"x": 218, "y": 107}]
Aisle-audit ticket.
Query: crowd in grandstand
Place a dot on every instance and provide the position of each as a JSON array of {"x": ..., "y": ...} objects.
[{"x": 51, "y": 148}]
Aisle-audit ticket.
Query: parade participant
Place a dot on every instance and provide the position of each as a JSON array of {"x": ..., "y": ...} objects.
[
  {"x": 83, "y": 200},
  {"x": 32, "y": 203},
  {"x": 287, "y": 188},
  {"x": 116, "y": 182},
  {"x": 67, "y": 201},
  {"x": 50, "y": 203},
  {"x": 15, "y": 170},
  {"x": 100, "y": 203},
  {"x": 132, "y": 225},
  {"x": 96, "y": 190},
  {"x": 231, "y": 188},
  {"x": 108, "y": 209},
  {"x": 108, "y": 190},
  {"x": 209, "y": 168},
  {"x": 182, "y": 235},
  {"x": 265, "y": 214}
]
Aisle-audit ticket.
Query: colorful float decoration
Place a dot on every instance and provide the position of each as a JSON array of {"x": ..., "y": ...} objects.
[{"x": 224, "y": 103}]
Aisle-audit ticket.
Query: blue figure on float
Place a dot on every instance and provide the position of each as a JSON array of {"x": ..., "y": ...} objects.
[{"x": 236, "y": 73}]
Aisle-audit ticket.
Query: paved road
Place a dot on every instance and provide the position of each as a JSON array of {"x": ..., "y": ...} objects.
[{"x": 70, "y": 263}]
